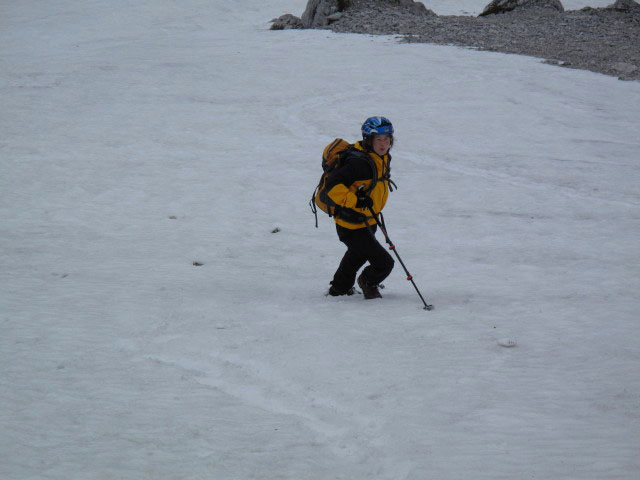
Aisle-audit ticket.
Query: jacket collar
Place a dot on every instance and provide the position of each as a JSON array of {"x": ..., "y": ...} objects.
[{"x": 375, "y": 156}]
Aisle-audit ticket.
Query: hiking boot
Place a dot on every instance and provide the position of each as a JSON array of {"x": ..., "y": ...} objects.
[
  {"x": 334, "y": 292},
  {"x": 369, "y": 291}
]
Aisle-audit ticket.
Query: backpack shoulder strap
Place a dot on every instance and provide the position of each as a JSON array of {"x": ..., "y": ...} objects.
[{"x": 374, "y": 169}]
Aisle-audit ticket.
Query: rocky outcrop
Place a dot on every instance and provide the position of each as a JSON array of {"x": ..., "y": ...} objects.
[
  {"x": 286, "y": 22},
  {"x": 415, "y": 7},
  {"x": 503, "y": 6},
  {"x": 625, "y": 6},
  {"x": 320, "y": 13}
]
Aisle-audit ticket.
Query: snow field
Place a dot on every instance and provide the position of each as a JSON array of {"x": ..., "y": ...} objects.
[{"x": 141, "y": 137}]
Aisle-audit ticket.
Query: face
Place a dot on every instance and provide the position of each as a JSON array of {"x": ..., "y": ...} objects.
[{"x": 381, "y": 144}]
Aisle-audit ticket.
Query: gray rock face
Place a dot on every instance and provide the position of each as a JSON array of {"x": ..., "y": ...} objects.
[
  {"x": 322, "y": 12},
  {"x": 378, "y": 16},
  {"x": 416, "y": 7},
  {"x": 624, "y": 68},
  {"x": 503, "y": 6},
  {"x": 286, "y": 22},
  {"x": 624, "y": 5}
]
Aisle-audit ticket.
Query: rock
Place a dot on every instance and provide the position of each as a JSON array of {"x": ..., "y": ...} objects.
[
  {"x": 416, "y": 7},
  {"x": 503, "y": 6},
  {"x": 625, "y": 5},
  {"x": 286, "y": 22},
  {"x": 624, "y": 67},
  {"x": 318, "y": 12}
]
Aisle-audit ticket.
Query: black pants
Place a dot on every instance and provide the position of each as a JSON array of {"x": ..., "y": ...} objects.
[{"x": 362, "y": 246}]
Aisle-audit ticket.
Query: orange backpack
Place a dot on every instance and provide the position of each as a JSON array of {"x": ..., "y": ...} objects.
[{"x": 333, "y": 157}]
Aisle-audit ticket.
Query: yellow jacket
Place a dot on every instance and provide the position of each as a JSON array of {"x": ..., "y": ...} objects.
[{"x": 343, "y": 184}]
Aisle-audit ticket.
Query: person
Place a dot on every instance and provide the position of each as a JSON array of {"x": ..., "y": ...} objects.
[{"x": 350, "y": 187}]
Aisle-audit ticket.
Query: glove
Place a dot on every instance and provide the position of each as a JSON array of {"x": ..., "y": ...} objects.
[{"x": 364, "y": 201}]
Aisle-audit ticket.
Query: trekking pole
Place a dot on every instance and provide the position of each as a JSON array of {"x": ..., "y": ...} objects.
[{"x": 393, "y": 247}]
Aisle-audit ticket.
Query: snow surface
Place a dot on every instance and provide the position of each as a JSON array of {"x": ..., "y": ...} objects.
[{"x": 139, "y": 137}]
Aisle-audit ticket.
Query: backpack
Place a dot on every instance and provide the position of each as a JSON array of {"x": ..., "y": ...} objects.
[{"x": 334, "y": 157}]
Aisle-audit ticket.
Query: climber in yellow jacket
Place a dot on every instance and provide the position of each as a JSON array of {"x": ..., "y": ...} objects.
[{"x": 361, "y": 185}]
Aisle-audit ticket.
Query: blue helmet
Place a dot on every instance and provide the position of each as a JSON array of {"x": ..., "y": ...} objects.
[{"x": 376, "y": 126}]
